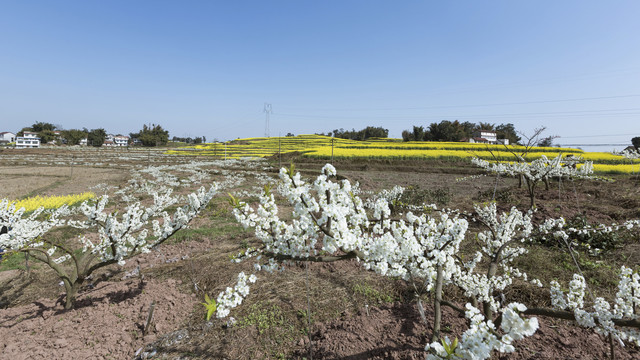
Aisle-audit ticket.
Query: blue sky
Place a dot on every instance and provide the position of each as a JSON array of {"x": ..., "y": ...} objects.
[{"x": 208, "y": 67}]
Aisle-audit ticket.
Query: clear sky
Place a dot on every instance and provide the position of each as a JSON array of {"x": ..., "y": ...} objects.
[{"x": 208, "y": 67}]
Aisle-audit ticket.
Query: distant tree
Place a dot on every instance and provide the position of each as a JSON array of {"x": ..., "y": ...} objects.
[
  {"x": 186, "y": 140},
  {"x": 446, "y": 130},
  {"x": 290, "y": 134},
  {"x": 42, "y": 126},
  {"x": 486, "y": 126},
  {"x": 152, "y": 135},
  {"x": 21, "y": 132},
  {"x": 636, "y": 142},
  {"x": 407, "y": 135},
  {"x": 96, "y": 137},
  {"x": 418, "y": 133},
  {"x": 364, "y": 134},
  {"x": 508, "y": 131},
  {"x": 46, "y": 136},
  {"x": 73, "y": 136},
  {"x": 468, "y": 128},
  {"x": 547, "y": 141}
]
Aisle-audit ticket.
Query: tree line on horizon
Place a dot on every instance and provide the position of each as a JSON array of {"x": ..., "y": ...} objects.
[
  {"x": 364, "y": 134},
  {"x": 445, "y": 130},
  {"x": 151, "y": 135},
  {"x": 455, "y": 130}
]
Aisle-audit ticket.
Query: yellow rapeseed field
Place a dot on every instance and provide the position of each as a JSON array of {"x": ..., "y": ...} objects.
[
  {"x": 52, "y": 202},
  {"x": 324, "y": 147}
]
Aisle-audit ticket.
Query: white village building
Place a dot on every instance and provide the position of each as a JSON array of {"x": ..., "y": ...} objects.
[
  {"x": 487, "y": 137},
  {"x": 28, "y": 140},
  {"x": 121, "y": 140},
  {"x": 7, "y": 137}
]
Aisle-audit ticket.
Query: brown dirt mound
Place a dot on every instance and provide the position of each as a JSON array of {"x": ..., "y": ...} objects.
[
  {"x": 395, "y": 331},
  {"x": 106, "y": 323}
]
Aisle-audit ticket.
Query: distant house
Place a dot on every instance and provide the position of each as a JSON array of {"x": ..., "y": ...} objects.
[
  {"x": 108, "y": 140},
  {"x": 121, "y": 140},
  {"x": 84, "y": 142},
  {"x": 487, "y": 137},
  {"x": 116, "y": 140},
  {"x": 30, "y": 134},
  {"x": 7, "y": 137},
  {"x": 28, "y": 140}
]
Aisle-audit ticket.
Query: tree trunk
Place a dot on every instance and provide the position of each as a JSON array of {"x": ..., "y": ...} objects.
[
  {"x": 532, "y": 193},
  {"x": 437, "y": 317},
  {"x": 72, "y": 292},
  {"x": 493, "y": 269}
]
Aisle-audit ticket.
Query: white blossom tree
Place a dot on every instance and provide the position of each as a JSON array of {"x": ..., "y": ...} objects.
[
  {"x": 538, "y": 170},
  {"x": 118, "y": 236}
]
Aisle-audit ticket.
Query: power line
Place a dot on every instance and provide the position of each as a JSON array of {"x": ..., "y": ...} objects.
[
  {"x": 574, "y": 113},
  {"x": 592, "y": 136},
  {"x": 481, "y": 105},
  {"x": 564, "y": 145},
  {"x": 267, "y": 111}
]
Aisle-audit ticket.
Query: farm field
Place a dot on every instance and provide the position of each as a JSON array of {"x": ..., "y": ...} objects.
[
  {"x": 327, "y": 148},
  {"x": 330, "y": 310}
]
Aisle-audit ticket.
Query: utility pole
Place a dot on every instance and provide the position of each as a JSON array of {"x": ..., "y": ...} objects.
[
  {"x": 267, "y": 111},
  {"x": 332, "y": 139},
  {"x": 280, "y": 149}
]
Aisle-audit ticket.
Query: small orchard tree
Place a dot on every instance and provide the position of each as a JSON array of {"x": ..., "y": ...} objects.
[
  {"x": 538, "y": 170},
  {"x": 119, "y": 236},
  {"x": 631, "y": 155}
]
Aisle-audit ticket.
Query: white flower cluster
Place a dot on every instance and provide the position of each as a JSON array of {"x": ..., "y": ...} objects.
[
  {"x": 233, "y": 297},
  {"x": 328, "y": 219},
  {"x": 122, "y": 236},
  {"x": 481, "y": 339},
  {"x": 630, "y": 154},
  {"x": 539, "y": 169},
  {"x": 26, "y": 230},
  {"x": 470, "y": 177},
  {"x": 558, "y": 229},
  {"x": 501, "y": 244},
  {"x": 602, "y": 317},
  {"x": 390, "y": 196}
]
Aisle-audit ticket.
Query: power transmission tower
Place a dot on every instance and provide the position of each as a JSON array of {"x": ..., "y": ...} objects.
[{"x": 267, "y": 111}]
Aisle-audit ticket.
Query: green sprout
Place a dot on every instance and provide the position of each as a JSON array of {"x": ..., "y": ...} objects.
[
  {"x": 450, "y": 349},
  {"x": 211, "y": 306}
]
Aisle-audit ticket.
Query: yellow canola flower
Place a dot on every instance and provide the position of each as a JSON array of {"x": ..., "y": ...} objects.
[
  {"x": 616, "y": 168},
  {"x": 52, "y": 202},
  {"x": 320, "y": 146}
]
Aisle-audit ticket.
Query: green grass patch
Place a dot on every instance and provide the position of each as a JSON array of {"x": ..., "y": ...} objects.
[
  {"x": 372, "y": 295},
  {"x": 201, "y": 233},
  {"x": 13, "y": 261},
  {"x": 263, "y": 317}
]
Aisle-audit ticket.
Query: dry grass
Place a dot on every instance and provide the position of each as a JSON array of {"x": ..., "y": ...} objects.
[
  {"x": 18, "y": 182},
  {"x": 274, "y": 318}
]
